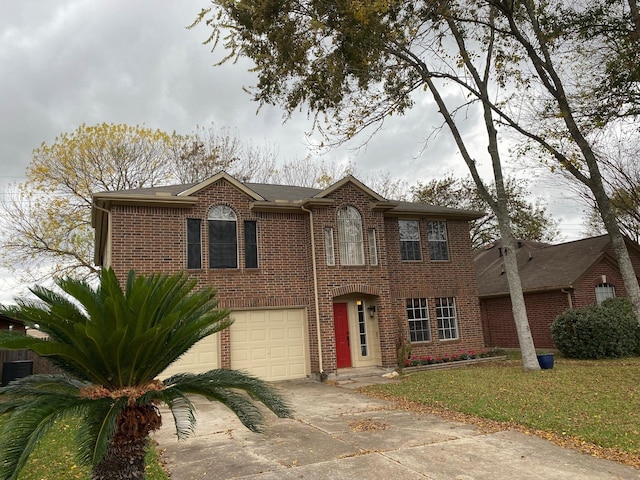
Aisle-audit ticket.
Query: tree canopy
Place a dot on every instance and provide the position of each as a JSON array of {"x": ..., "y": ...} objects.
[{"x": 529, "y": 66}]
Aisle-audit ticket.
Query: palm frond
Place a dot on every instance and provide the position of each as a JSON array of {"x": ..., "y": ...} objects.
[
  {"x": 23, "y": 427},
  {"x": 182, "y": 409},
  {"x": 97, "y": 429},
  {"x": 115, "y": 338},
  {"x": 234, "y": 389}
]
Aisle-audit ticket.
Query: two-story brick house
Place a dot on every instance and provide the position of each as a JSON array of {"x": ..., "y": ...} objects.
[{"x": 317, "y": 280}]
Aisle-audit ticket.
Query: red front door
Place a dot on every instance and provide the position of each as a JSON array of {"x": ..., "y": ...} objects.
[{"x": 341, "y": 328}]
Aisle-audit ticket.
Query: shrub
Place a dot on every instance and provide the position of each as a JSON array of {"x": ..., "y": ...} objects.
[{"x": 608, "y": 330}]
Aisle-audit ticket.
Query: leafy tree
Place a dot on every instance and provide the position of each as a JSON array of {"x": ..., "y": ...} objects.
[
  {"x": 113, "y": 344},
  {"x": 359, "y": 62},
  {"x": 564, "y": 127},
  {"x": 356, "y": 63},
  {"x": 47, "y": 219},
  {"x": 529, "y": 220}
]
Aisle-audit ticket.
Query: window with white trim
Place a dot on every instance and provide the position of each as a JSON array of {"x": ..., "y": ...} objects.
[
  {"x": 328, "y": 246},
  {"x": 373, "y": 247},
  {"x": 350, "y": 236},
  {"x": 446, "y": 317},
  {"x": 223, "y": 237},
  {"x": 604, "y": 291},
  {"x": 437, "y": 238},
  {"x": 418, "y": 317},
  {"x": 410, "y": 240},
  {"x": 362, "y": 330}
]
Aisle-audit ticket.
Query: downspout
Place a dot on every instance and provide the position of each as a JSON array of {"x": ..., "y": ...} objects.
[
  {"x": 568, "y": 297},
  {"x": 315, "y": 289}
]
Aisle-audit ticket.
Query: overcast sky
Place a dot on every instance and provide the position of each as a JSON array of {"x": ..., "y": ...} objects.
[{"x": 68, "y": 62}]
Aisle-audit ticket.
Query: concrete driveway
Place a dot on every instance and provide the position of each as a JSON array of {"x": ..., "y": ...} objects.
[{"x": 338, "y": 433}]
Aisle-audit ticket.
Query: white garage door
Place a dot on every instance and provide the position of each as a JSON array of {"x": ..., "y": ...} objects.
[
  {"x": 200, "y": 358},
  {"x": 270, "y": 344}
]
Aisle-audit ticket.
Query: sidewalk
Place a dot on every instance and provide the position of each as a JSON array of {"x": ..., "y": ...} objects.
[{"x": 339, "y": 433}]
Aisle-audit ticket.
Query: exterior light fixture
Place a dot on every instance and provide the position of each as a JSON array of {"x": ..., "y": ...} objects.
[{"x": 372, "y": 310}]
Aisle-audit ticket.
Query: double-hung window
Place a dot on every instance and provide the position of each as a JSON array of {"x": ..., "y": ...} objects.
[
  {"x": 223, "y": 237},
  {"x": 437, "y": 237},
  {"x": 350, "y": 236},
  {"x": 604, "y": 291},
  {"x": 410, "y": 240},
  {"x": 447, "y": 320},
  {"x": 418, "y": 316}
]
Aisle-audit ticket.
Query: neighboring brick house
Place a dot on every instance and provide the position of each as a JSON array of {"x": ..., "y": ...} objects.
[
  {"x": 8, "y": 323},
  {"x": 316, "y": 280},
  {"x": 554, "y": 278}
]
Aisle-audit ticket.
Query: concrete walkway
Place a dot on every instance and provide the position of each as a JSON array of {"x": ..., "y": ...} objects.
[{"x": 338, "y": 433}]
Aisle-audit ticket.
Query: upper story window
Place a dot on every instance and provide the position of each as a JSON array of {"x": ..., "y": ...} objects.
[
  {"x": 604, "y": 291},
  {"x": 194, "y": 243},
  {"x": 223, "y": 237},
  {"x": 437, "y": 237},
  {"x": 410, "y": 240},
  {"x": 250, "y": 244},
  {"x": 328, "y": 246},
  {"x": 373, "y": 247},
  {"x": 350, "y": 236}
]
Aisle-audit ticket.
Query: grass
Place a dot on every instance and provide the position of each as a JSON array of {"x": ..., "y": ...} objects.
[
  {"x": 592, "y": 401},
  {"x": 54, "y": 458}
]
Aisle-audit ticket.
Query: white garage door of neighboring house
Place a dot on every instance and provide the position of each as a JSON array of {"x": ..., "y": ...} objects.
[
  {"x": 200, "y": 358},
  {"x": 270, "y": 344}
]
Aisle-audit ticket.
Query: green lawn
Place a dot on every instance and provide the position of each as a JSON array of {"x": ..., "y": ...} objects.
[
  {"x": 590, "y": 401},
  {"x": 54, "y": 458}
]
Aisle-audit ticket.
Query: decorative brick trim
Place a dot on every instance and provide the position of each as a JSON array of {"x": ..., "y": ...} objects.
[{"x": 355, "y": 288}]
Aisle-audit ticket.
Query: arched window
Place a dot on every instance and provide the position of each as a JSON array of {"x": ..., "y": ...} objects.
[
  {"x": 223, "y": 237},
  {"x": 604, "y": 291},
  {"x": 350, "y": 236}
]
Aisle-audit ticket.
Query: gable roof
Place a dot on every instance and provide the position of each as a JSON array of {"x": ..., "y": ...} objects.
[
  {"x": 263, "y": 197},
  {"x": 542, "y": 266}
]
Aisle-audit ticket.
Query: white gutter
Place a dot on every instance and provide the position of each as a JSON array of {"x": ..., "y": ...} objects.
[{"x": 315, "y": 289}]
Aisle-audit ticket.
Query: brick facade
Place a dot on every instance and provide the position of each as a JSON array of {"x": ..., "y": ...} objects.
[
  {"x": 544, "y": 306},
  {"x": 152, "y": 238}
]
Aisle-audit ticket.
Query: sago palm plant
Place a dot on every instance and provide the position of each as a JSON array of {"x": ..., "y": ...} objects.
[{"x": 113, "y": 344}]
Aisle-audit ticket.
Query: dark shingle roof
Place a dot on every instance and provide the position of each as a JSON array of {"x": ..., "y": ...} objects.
[
  {"x": 542, "y": 266},
  {"x": 294, "y": 194}
]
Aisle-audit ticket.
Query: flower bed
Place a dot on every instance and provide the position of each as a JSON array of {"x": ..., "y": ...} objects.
[{"x": 447, "y": 358}]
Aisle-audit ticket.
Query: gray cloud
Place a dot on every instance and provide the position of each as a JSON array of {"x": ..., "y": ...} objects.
[{"x": 70, "y": 62}]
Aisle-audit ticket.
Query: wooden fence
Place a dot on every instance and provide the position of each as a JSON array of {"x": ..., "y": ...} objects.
[{"x": 40, "y": 364}]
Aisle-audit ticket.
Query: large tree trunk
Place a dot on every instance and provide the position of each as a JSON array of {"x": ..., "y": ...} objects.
[
  {"x": 518, "y": 307},
  {"x": 125, "y": 456},
  {"x": 620, "y": 249},
  {"x": 122, "y": 461},
  {"x": 543, "y": 63}
]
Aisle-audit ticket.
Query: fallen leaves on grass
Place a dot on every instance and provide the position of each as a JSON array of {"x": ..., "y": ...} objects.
[{"x": 487, "y": 426}]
